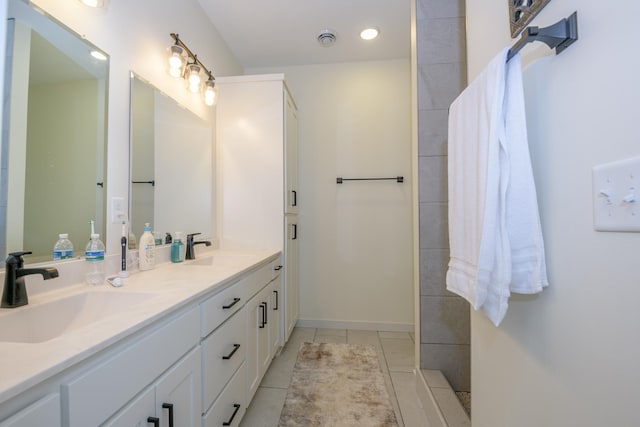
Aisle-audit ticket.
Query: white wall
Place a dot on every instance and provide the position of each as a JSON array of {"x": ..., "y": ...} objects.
[
  {"x": 355, "y": 238},
  {"x": 569, "y": 356},
  {"x": 136, "y": 34}
]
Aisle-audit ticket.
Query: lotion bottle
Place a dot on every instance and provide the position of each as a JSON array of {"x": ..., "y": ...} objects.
[{"x": 147, "y": 245}]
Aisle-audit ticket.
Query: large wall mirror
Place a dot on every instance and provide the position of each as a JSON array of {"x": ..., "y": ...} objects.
[
  {"x": 54, "y": 135},
  {"x": 171, "y": 164}
]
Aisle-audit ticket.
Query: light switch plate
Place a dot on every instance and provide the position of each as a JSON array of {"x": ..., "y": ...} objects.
[{"x": 616, "y": 196}]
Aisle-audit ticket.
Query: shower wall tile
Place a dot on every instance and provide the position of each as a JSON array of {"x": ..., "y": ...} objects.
[
  {"x": 434, "y": 226},
  {"x": 439, "y": 85},
  {"x": 441, "y": 41},
  {"x": 433, "y": 272},
  {"x": 452, "y": 359},
  {"x": 432, "y": 132},
  {"x": 439, "y": 8},
  {"x": 432, "y": 173},
  {"x": 445, "y": 320}
]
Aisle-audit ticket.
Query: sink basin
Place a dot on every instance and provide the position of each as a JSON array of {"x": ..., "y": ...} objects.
[
  {"x": 220, "y": 259},
  {"x": 48, "y": 320}
]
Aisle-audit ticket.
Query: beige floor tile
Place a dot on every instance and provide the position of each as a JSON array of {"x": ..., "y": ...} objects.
[
  {"x": 400, "y": 354},
  {"x": 330, "y": 339},
  {"x": 300, "y": 335},
  {"x": 435, "y": 378},
  {"x": 395, "y": 335},
  {"x": 265, "y": 408},
  {"x": 331, "y": 332}
]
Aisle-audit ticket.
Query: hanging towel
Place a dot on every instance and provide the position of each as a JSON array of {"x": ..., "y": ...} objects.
[{"x": 494, "y": 229}]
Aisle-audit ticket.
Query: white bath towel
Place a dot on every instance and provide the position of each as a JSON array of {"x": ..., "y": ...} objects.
[{"x": 494, "y": 229}]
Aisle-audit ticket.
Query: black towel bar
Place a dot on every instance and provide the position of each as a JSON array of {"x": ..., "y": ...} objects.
[
  {"x": 558, "y": 36},
  {"x": 340, "y": 180}
]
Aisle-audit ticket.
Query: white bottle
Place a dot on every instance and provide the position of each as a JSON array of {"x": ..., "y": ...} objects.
[
  {"x": 63, "y": 249},
  {"x": 147, "y": 251},
  {"x": 94, "y": 256}
]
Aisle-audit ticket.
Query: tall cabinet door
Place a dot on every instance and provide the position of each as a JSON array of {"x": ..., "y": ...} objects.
[
  {"x": 291, "y": 276},
  {"x": 291, "y": 154}
]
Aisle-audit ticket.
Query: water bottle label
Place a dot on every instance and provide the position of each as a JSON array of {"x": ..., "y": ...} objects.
[
  {"x": 94, "y": 255},
  {"x": 63, "y": 254}
]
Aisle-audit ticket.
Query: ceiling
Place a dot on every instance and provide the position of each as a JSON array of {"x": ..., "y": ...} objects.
[{"x": 268, "y": 33}]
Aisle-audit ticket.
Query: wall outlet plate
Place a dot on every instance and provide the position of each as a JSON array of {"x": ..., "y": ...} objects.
[{"x": 616, "y": 196}]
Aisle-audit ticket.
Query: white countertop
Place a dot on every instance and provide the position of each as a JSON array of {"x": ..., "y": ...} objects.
[{"x": 23, "y": 365}]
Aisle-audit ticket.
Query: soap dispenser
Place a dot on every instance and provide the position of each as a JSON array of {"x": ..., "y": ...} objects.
[{"x": 147, "y": 249}]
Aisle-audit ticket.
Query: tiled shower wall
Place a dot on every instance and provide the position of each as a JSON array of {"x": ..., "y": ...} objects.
[{"x": 444, "y": 317}]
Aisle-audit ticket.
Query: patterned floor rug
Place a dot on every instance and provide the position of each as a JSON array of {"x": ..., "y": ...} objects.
[{"x": 337, "y": 385}]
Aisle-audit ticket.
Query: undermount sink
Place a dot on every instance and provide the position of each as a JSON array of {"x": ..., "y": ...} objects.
[
  {"x": 219, "y": 259},
  {"x": 48, "y": 320}
]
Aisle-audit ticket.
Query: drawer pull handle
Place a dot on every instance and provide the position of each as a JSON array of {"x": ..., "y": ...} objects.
[
  {"x": 169, "y": 406},
  {"x": 277, "y": 268},
  {"x": 263, "y": 321},
  {"x": 230, "y": 355},
  {"x": 228, "y": 306},
  {"x": 277, "y": 297},
  {"x": 295, "y": 198},
  {"x": 154, "y": 420},
  {"x": 235, "y": 411}
]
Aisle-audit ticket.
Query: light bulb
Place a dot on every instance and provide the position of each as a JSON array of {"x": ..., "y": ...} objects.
[
  {"x": 194, "y": 78},
  {"x": 210, "y": 93},
  {"x": 176, "y": 60}
]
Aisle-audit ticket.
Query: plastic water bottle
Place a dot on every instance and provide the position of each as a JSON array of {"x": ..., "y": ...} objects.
[
  {"x": 63, "y": 249},
  {"x": 94, "y": 256}
]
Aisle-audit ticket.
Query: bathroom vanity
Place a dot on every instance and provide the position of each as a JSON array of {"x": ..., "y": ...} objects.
[{"x": 184, "y": 344}]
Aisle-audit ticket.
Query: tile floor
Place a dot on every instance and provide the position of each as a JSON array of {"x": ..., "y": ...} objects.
[{"x": 396, "y": 353}]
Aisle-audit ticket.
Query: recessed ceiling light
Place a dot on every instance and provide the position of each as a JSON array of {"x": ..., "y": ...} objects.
[
  {"x": 98, "y": 55},
  {"x": 94, "y": 3},
  {"x": 369, "y": 33}
]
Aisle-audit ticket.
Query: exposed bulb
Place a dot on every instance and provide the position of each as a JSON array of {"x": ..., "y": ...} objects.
[
  {"x": 176, "y": 60},
  {"x": 194, "y": 78},
  {"x": 210, "y": 93}
]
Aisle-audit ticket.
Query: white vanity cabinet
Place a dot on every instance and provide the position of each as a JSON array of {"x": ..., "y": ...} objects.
[
  {"x": 189, "y": 367},
  {"x": 44, "y": 412},
  {"x": 257, "y": 174},
  {"x": 172, "y": 400},
  {"x": 113, "y": 381}
]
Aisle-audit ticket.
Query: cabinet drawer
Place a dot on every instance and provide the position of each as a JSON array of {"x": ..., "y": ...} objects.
[
  {"x": 119, "y": 378},
  {"x": 230, "y": 405},
  {"x": 259, "y": 279},
  {"x": 219, "y": 307},
  {"x": 44, "y": 412},
  {"x": 276, "y": 268},
  {"x": 222, "y": 353}
]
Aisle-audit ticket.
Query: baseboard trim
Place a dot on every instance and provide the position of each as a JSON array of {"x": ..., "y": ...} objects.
[{"x": 347, "y": 324}]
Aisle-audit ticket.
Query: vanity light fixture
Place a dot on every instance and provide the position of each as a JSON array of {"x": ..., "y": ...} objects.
[
  {"x": 184, "y": 63},
  {"x": 369, "y": 33}
]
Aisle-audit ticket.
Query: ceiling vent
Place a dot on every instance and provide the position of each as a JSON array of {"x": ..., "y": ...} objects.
[{"x": 326, "y": 38}]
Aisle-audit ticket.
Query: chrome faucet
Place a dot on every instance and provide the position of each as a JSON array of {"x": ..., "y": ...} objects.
[
  {"x": 190, "y": 252},
  {"x": 15, "y": 291}
]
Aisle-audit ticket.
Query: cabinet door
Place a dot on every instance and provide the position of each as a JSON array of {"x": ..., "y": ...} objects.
[
  {"x": 179, "y": 393},
  {"x": 257, "y": 341},
  {"x": 44, "y": 412},
  {"x": 136, "y": 413},
  {"x": 275, "y": 316},
  {"x": 291, "y": 277},
  {"x": 291, "y": 154}
]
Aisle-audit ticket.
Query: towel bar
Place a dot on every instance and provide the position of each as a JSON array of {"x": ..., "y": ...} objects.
[
  {"x": 339, "y": 180},
  {"x": 558, "y": 36}
]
